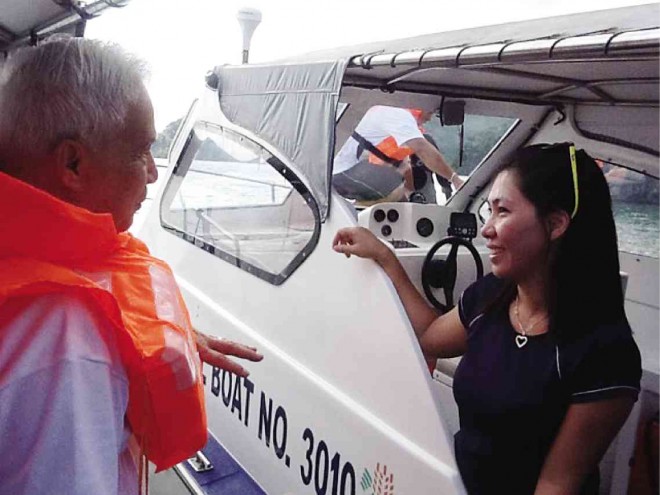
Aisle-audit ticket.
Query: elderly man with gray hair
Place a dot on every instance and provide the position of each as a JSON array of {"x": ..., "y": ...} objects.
[{"x": 99, "y": 363}]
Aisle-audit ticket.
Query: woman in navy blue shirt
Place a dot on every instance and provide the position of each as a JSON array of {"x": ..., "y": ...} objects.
[{"x": 550, "y": 370}]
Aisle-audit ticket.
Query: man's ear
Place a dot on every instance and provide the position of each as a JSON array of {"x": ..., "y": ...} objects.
[
  {"x": 557, "y": 223},
  {"x": 68, "y": 155}
]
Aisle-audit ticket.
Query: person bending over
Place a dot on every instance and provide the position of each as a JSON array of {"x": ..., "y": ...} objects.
[
  {"x": 373, "y": 165},
  {"x": 550, "y": 370}
]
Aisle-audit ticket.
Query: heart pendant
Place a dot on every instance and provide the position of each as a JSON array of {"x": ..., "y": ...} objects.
[{"x": 521, "y": 340}]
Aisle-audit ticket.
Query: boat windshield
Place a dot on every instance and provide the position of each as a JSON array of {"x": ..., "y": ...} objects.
[{"x": 464, "y": 147}]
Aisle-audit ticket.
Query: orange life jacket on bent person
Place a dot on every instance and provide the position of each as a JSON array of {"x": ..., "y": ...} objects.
[
  {"x": 387, "y": 151},
  {"x": 390, "y": 149},
  {"x": 48, "y": 245}
]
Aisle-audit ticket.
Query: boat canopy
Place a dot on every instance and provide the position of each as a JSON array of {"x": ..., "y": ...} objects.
[
  {"x": 576, "y": 63},
  {"x": 293, "y": 108},
  {"x": 24, "y": 22}
]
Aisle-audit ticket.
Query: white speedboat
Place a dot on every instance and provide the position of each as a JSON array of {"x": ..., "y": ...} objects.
[{"x": 343, "y": 402}]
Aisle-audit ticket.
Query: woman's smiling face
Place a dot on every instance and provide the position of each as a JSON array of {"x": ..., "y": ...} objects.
[{"x": 517, "y": 238}]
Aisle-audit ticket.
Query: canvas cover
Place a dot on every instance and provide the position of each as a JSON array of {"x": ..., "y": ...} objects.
[{"x": 292, "y": 107}]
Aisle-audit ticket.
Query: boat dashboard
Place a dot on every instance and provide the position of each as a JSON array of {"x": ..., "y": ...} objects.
[
  {"x": 412, "y": 230},
  {"x": 407, "y": 225}
]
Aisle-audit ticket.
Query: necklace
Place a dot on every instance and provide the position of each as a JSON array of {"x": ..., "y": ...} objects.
[{"x": 521, "y": 340}]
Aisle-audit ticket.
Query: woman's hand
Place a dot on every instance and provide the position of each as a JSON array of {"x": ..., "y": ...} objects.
[{"x": 361, "y": 242}]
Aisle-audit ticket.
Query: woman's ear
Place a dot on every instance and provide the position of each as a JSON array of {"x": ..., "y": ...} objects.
[{"x": 557, "y": 223}]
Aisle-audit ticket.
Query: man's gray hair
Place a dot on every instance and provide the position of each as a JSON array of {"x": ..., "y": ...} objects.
[{"x": 67, "y": 88}]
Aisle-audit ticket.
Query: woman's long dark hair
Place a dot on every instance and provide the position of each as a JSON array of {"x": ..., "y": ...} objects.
[{"x": 585, "y": 286}]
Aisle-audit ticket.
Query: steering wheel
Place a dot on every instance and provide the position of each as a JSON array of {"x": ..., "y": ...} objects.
[{"x": 442, "y": 273}]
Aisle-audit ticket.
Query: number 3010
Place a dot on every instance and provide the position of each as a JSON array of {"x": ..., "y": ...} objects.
[{"x": 325, "y": 470}]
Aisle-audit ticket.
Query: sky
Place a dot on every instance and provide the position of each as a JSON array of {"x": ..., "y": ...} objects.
[{"x": 181, "y": 40}]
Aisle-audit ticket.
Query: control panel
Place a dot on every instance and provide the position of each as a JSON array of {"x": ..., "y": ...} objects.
[
  {"x": 411, "y": 229},
  {"x": 462, "y": 225},
  {"x": 406, "y": 225}
]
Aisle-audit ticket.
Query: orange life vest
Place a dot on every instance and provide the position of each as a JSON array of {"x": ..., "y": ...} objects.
[
  {"x": 48, "y": 245},
  {"x": 389, "y": 147}
]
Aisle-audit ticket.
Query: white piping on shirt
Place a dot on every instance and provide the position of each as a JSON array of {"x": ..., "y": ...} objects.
[
  {"x": 603, "y": 389},
  {"x": 475, "y": 319},
  {"x": 557, "y": 354},
  {"x": 460, "y": 303}
]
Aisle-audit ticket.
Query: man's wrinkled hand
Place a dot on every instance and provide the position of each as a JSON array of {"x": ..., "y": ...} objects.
[{"x": 214, "y": 351}]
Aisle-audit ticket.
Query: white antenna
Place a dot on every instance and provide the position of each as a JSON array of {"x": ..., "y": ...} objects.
[{"x": 249, "y": 19}]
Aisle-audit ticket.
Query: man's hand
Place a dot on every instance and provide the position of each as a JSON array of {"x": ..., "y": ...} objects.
[
  {"x": 405, "y": 169},
  {"x": 456, "y": 181},
  {"x": 214, "y": 351}
]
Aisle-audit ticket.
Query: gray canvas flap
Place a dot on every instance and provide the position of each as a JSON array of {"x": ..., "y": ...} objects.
[{"x": 292, "y": 107}]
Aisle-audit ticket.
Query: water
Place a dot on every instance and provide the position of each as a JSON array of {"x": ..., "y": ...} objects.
[
  {"x": 231, "y": 185},
  {"x": 638, "y": 227}
]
